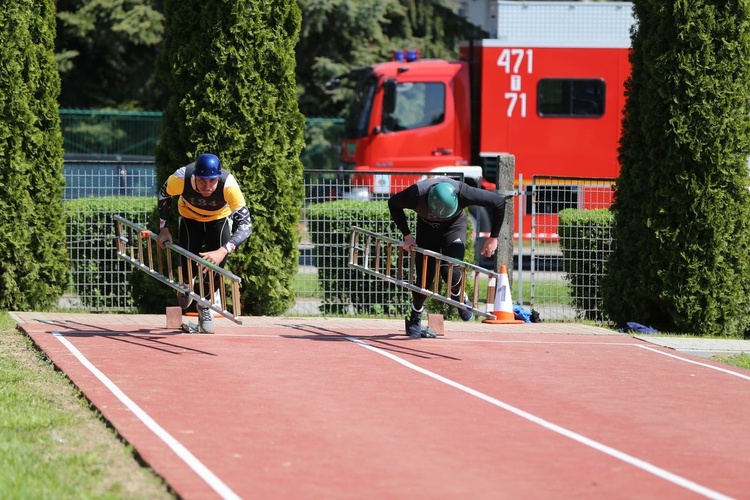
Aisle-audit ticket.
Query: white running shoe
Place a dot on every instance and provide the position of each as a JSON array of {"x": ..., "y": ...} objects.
[{"x": 206, "y": 319}]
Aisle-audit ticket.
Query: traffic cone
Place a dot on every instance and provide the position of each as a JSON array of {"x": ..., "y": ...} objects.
[{"x": 503, "y": 307}]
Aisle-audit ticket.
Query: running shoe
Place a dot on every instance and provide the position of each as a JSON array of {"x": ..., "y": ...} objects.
[
  {"x": 414, "y": 324},
  {"x": 206, "y": 319},
  {"x": 466, "y": 315}
]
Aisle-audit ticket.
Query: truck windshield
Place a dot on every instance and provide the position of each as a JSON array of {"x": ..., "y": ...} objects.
[
  {"x": 360, "y": 109},
  {"x": 417, "y": 105}
]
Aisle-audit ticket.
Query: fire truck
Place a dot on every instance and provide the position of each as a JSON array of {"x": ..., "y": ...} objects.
[{"x": 548, "y": 88}]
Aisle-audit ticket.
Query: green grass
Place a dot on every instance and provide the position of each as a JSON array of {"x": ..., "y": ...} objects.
[
  {"x": 306, "y": 285},
  {"x": 52, "y": 445},
  {"x": 740, "y": 360},
  {"x": 545, "y": 292}
]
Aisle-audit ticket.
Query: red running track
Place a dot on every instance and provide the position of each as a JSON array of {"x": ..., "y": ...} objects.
[{"x": 320, "y": 408}]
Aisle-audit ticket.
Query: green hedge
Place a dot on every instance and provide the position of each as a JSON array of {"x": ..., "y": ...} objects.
[
  {"x": 585, "y": 242},
  {"x": 342, "y": 287},
  {"x": 347, "y": 290},
  {"x": 98, "y": 276}
]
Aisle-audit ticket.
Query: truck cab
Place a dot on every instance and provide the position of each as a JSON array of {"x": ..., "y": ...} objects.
[
  {"x": 549, "y": 89},
  {"x": 408, "y": 115}
]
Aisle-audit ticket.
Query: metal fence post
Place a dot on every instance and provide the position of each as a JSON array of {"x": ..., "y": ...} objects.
[{"x": 506, "y": 166}]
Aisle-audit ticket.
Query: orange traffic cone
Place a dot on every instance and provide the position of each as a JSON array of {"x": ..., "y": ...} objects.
[{"x": 502, "y": 308}]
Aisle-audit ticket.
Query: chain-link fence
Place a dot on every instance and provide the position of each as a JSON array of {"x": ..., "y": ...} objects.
[
  {"x": 132, "y": 135},
  {"x": 544, "y": 278},
  {"x": 567, "y": 255},
  {"x": 127, "y": 134},
  {"x": 94, "y": 192}
]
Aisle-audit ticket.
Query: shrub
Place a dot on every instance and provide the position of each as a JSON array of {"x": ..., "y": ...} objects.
[
  {"x": 585, "y": 242},
  {"x": 33, "y": 261},
  {"x": 91, "y": 234},
  {"x": 229, "y": 71},
  {"x": 682, "y": 208},
  {"x": 348, "y": 290}
]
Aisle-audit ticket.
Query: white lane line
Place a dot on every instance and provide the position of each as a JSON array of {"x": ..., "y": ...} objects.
[
  {"x": 705, "y": 365},
  {"x": 636, "y": 462},
  {"x": 196, "y": 465},
  {"x": 540, "y": 342}
]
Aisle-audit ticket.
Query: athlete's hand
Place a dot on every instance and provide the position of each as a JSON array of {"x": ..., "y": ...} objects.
[
  {"x": 490, "y": 245},
  {"x": 409, "y": 243},
  {"x": 215, "y": 256},
  {"x": 164, "y": 237}
]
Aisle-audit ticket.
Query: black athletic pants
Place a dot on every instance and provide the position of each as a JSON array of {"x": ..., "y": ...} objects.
[
  {"x": 198, "y": 237},
  {"x": 447, "y": 239}
]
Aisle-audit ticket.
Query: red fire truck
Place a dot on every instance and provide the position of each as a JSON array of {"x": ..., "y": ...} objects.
[{"x": 547, "y": 88}]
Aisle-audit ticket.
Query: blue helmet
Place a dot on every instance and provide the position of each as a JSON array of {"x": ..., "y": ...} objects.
[
  {"x": 442, "y": 200},
  {"x": 207, "y": 166}
]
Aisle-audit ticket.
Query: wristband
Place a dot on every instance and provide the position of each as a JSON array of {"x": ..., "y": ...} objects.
[
  {"x": 162, "y": 223},
  {"x": 229, "y": 247}
]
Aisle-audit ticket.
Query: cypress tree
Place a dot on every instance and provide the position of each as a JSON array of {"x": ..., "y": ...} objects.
[
  {"x": 33, "y": 258},
  {"x": 682, "y": 208},
  {"x": 229, "y": 67}
]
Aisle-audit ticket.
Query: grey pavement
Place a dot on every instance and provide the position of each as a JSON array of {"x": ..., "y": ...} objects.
[{"x": 705, "y": 348}]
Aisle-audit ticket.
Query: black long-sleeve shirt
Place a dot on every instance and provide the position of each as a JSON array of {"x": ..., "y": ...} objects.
[{"x": 415, "y": 198}]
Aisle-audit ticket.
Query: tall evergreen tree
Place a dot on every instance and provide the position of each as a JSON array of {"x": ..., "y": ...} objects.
[
  {"x": 682, "y": 209},
  {"x": 106, "y": 48},
  {"x": 338, "y": 35},
  {"x": 33, "y": 259},
  {"x": 106, "y": 53},
  {"x": 229, "y": 69}
]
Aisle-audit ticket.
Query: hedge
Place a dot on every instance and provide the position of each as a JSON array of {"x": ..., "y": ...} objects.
[{"x": 585, "y": 242}]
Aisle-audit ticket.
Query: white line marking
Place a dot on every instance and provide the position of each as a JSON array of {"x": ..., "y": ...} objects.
[
  {"x": 705, "y": 365},
  {"x": 636, "y": 462},
  {"x": 196, "y": 465},
  {"x": 534, "y": 342}
]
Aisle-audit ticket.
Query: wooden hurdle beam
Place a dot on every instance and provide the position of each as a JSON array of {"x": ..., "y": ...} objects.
[
  {"x": 138, "y": 246},
  {"x": 365, "y": 254}
]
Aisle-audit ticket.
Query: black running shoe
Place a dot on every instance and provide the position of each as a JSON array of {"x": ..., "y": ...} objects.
[
  {"x": 414, "y": 324},
  {"x": 466, "y": 315}
]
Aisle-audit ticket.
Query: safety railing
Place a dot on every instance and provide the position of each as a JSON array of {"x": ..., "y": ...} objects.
[{"x": 137, "y": 246}]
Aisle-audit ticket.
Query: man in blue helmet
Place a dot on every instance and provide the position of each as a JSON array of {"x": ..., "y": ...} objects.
[
  {"x": 441, "y": 227},
  {"x": 210, "y": 200}
]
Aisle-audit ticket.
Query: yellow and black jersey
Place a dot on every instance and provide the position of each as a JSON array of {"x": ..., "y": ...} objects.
[{"x": 226, "y": 199}]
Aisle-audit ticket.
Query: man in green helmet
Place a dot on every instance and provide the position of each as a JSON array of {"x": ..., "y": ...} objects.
[{"x": 441, "y": 227}]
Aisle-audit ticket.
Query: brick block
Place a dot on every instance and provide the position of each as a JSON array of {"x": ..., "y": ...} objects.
[
  {"x": 174, "y": 317},
  {"x": 436, "y": 322}
]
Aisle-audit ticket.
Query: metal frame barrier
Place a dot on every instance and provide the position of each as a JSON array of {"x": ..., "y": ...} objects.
[
  {"x": 384, "y": 257},
  {"x": 137, "y": 245}
]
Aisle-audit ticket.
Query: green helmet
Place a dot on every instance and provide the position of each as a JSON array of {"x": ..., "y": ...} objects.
[{"x": 442, "y": 200}]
